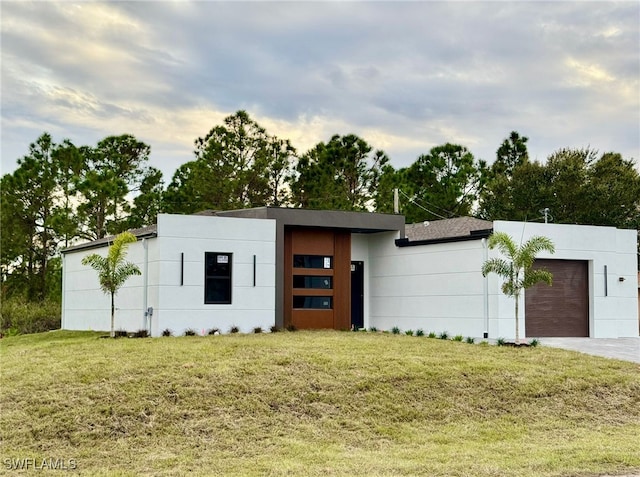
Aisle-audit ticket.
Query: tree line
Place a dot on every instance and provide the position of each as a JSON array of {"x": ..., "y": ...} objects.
[{"x": 62, "y": 193}]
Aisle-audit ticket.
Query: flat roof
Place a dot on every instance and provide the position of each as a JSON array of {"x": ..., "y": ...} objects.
[{"x": 356, "y": 222}]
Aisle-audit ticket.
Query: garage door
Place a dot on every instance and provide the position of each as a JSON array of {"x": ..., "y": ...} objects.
[{"x": 561, "y": 309}]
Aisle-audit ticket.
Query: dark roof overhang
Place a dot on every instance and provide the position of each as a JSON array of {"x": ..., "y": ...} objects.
[
  {"x": 356, "y": 222},
  {"x": 142, "y": 233},
  {"x": 473, "y": 235}
]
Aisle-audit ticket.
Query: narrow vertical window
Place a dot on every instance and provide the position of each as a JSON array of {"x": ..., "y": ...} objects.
[{"x": 217, "y": 278}]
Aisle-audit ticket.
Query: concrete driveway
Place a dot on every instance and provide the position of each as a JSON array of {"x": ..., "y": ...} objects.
[{"x": 627, "y": 349}]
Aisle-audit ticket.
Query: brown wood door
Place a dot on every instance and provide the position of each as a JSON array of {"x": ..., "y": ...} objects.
[
  {"x": 317, "y": 292},
  {"x": 560, "y": 310}
]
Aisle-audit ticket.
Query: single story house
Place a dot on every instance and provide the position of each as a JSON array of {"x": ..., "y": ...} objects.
[{"x": 282, "y": 267}]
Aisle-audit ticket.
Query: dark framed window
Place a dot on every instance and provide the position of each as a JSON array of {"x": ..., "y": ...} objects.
[
  {"x": 312, "y": 261},
  {"x": 313, "y": 302},
  {"x": 217, "y": 278},
  {"x": 308, "y": 281}
]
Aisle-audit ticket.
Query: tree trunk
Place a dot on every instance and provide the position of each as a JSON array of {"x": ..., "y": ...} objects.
[{"x": 113, "y": 311}]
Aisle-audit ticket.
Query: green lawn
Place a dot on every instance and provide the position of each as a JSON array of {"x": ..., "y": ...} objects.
[{"x": 315, "y": 403}]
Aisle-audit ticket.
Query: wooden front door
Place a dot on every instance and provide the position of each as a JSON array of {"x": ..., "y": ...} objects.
[{"x": 317, "y": 291}]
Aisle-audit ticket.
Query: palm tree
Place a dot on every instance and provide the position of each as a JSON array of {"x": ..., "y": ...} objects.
[
  {"x": 516, "y": 270},
  {"x": 113, "y": 270}
]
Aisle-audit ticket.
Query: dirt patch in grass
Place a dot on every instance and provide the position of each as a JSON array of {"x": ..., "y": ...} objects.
[{"x": 316, "y": 403}]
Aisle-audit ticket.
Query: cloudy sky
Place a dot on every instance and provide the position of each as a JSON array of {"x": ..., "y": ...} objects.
[{"x": 405, "y": 76}]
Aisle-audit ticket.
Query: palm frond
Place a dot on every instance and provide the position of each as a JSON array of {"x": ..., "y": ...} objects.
[
  {"x": 118, "y": 250},
  {"x": 97, "y": 262},
  {"x": 498, "y": 266},
  {"x": 113, "y": 270},
  {"x": 532, "y": 248},
  {"x": 124, "y": 271},
  {"x": 504, "y": 243},
  {"x": 531, "y": 277},
  {"x": 510, "y": 288}
]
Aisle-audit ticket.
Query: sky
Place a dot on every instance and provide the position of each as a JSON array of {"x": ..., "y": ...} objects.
[{"x": 404, "y": 76}]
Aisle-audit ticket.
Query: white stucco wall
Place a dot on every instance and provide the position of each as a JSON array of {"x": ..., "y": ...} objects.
[
  {"x": 179, "y": 307},
  {"x": 439, "y": 287},
  {"x": 86, "y": 307},
  {"x": 182, "y": 307},
  {"x": 611, "y": 316},
  {"x": 434, "y": 288},
  {"x": 360, "y": 252}
]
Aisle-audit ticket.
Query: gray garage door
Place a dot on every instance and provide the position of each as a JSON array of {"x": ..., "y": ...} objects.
[{"x": 561, "y": 309}]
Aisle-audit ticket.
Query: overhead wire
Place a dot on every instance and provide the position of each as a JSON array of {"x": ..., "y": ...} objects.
[{"x": 412, "y": 200}]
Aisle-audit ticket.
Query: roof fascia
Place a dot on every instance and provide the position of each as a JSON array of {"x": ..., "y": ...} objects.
[
  {"x": 473, "y": 235},
  {"x": 337, "y": 219},
  {"x": 103, "y": 243}
]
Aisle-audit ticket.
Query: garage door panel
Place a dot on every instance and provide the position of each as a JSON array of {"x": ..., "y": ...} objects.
[{"x": 561, "y": 310}]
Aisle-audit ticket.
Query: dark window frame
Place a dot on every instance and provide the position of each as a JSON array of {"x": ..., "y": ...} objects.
[
  {"x": 219, "y": 277},
  {"x": 309, "y": 282},
  {"x": 306, "y": 261},
  {"x": 309, "y": 302}
]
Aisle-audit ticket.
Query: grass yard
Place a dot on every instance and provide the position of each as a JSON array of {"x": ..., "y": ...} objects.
[{"x": 314, "y": 404}]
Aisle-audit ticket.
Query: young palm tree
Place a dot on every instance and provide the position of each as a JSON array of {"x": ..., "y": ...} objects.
[
  {"x": 516, "y": 270},
  {"x": 113, "y": 270}
]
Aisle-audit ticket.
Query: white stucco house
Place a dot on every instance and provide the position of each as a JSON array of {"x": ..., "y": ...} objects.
[{"x": 281, "y": 267}]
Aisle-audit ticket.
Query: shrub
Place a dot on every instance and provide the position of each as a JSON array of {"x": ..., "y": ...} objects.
[
  {"x": 432, "y": 334},
  {"x": 190, "y": 332},
  {"x": 257, "y": 330},
  {"x": 395, "y": 330},
  {"x": 10, "y": 332},
  {"x": 213, "y": 331},
  {"x": 18, "y": 316},
  {"x": 534, "y": 342},
  {"x": 167, "y": 332},
  {"x": 444, "y": 335},
  {"x": 501, "y": 342},
  {"x": 141, "y": 333},
  {"x": 274, "y": 329},
  {"x": 234, "y": 329},
  {"x": 470, "y": 340},
  {"x": 373, "y": 329},
  {"x": 420, "y": 332},
  {"x": 457, "y": 338},
  {"x": 120, "y": 334},
  {"x": 409, "y": 332}
]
